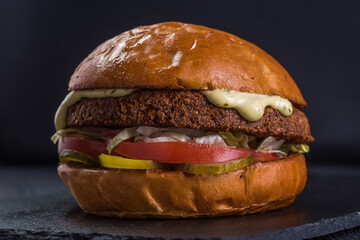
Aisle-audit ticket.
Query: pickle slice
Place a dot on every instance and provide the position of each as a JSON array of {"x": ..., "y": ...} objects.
[
  {"x": 216, "y": 168},
  {"x": 68, "y": 155},
  {"x": 109, "y": 161}
]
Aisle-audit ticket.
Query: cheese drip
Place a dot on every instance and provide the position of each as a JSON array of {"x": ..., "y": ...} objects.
[
  {"x": 250, "y": 106},
  {"x": 75, "y": 96}
]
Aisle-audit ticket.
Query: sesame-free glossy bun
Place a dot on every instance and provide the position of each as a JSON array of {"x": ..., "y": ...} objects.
[
  {"x": 260, "y": 187},
  {"x": 184, "y": 56}
]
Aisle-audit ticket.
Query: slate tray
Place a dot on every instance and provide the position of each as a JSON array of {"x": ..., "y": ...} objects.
[{"x": 34, "y": 204}]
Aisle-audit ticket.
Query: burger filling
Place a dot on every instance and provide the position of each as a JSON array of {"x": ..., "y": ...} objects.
[{"x": 179, "y": 130}]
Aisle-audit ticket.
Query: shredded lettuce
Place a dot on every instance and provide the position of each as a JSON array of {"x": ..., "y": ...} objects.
[
  {"x": 97, "y": 134},
  {"x": 121, "y": 136},
  {"x": 211, "y": 139},
  {"x": 155, "y": 134},
  {"x": 192, "y": 133},
  {"x": 147, "y": 131},
  {"x": 152, "y": 134},
  {"x": 270, "y": 144},
  {"x": 176, "y": 136},
  {"x": 298, "y": 148},
  {"x": 156, "y": 139},
  {"x": 236, "y": 139},
  {"x": 54, "y": 138}
]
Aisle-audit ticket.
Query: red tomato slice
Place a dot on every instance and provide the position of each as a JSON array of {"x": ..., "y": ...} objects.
[
  {"x": 180, "y": 152},
  {"x": 264, "y": 156},
  {"x": 167, "y": 152},
  {"x": 90, "y": 147}
]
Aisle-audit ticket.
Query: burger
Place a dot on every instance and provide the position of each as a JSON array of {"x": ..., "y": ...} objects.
[{"x": 176, "y": 120}]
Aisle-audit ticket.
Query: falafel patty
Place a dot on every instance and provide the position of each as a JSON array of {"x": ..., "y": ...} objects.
[{"x": 187, "y": 109}]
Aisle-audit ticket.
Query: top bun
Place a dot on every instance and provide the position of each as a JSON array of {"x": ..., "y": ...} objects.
[{"x": 176, "y": 55}]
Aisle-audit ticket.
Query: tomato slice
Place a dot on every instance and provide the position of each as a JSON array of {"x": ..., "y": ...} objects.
[
  {"x": 90, "y": 147},
  {"x": 180, "y": 152},
  {"x": 264, "y": 156},
  {"x": 167, "y": 152}
]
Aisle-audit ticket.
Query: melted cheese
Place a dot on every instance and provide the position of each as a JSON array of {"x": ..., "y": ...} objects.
[
  {"x": 250, "y": 106},
  {"x": 75, "y": 96}
]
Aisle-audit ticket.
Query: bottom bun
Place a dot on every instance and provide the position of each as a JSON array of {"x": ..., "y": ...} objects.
[{"x": 260, "y": 187}]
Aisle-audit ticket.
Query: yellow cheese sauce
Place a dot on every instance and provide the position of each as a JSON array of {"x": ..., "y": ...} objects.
[
  {"x": 250, "y": 106},
  {"x": 75, "y": 96}
]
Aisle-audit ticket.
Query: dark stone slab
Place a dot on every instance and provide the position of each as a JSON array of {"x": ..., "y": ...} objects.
[
  {"x": 35, "y": 204},
  {"x": 346, "y": 234}
]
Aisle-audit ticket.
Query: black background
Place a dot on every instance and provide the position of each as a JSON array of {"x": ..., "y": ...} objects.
[{"x": 42, "y": 42}]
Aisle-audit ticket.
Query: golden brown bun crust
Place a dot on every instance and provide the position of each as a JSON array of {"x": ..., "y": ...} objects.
[
  {"x": 262, "y": 186},
  {"x": 184, "y": 56}
]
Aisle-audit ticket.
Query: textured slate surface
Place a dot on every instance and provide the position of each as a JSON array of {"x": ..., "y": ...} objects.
[
  {"x": 35, "y": 204},
  {"x": 346, "y": 234}
]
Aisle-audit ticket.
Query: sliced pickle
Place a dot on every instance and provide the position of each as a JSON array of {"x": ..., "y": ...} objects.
[
  {"x": 216, "y": 168},
  {"x": 68, "y": 155},
  {"x": 109, "y": 161}
]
